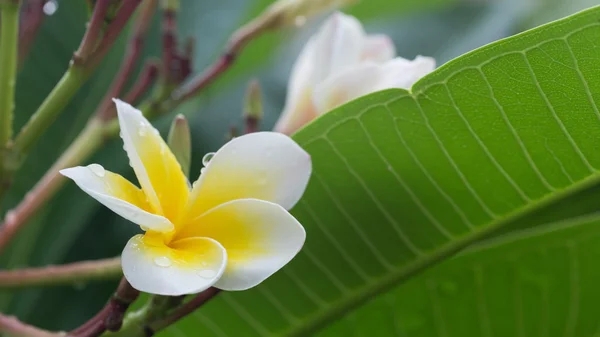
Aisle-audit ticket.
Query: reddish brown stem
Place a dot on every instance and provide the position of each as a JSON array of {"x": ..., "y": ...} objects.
[
  {"x": 11, "y": 326},
  {"x": 113, "y": 30},
  {"x": 93, "y": 31},
  {"x": 32, "y": 16},
  {"x": 111, "y": 316},
  {"x": 237, "y": 43},
  {"x": 132, "y": 54},
  {"x": 169, "y": 39},
  {"x": 148, "y": 75},
  {"x": 186, "y": 309}
]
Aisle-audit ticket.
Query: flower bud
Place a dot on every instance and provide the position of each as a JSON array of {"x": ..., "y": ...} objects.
[{"x": 180, "y": 143}]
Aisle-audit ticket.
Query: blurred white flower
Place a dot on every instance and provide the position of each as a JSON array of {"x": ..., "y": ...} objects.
[
  {"x": 230, "y": 230},
  {"x": 340, "y": 63}
]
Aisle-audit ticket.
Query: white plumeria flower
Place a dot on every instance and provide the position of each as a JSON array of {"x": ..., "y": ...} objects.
[
  {"x": 340, "y": 63},
  {"x": 231, "y": 230}
]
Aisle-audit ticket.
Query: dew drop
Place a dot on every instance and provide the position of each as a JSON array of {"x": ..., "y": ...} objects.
[
  {"x": 50, "y": 7},
  {"x": 144, "y": 228},
  {"x": 142, "y": 131},
  {"x": 162, "y": 261},
  {"x": 202, "y": 170},
  {"x": 207, "y": 273},
  {"x": 207, "y": 157},
  {"x": 97, "y": 170},
  {"x": 163, "y": 148}
]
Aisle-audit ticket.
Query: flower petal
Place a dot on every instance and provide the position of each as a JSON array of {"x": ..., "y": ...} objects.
[
  {"x": 186, "y": 267},
  {"x": 378, "y": 48},
  {"x": 118, "y": 194},
  {"x": 260, "y": 238},
  {"x": 368, "y": 78},
  {"x": 263, "y": 165},
  {"x": 155, "y": 166},
  {"x": 338, "y": 46}
]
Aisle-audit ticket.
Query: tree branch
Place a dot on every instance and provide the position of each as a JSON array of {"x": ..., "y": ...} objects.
[
  {"x": 63, "y": 274},
  {"x": 13, "y": 327}
]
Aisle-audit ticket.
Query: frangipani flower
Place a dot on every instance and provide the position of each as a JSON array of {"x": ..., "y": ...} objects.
[
  {"x": 340, "y": 63},
  {"x": 230, "y": 230}
]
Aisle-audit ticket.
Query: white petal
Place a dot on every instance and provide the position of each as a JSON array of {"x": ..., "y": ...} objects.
[
  {"x": 263, "y": 165},
  {"x": 260, "y": 238},
  {"x": 159, "y": 270},
  {"x": 336, "y": 47},
  {"x": 370, "y": 77},
  {"x": 116, "y": 193},
  {"x": 155, "y": 166},
  {"x": 339, "y": 45},
  {"x": 378, "y": 48}
]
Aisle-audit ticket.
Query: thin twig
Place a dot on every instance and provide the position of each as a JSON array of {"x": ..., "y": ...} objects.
[
  {"x": 238, "y": 41},
  {"x": 88, "y": 141},
  {"x": 147, "y": 77},
  {"x": 92, "y": 34},
  {"x": 113, "y": 30},
  {"x": 132, "y": 54},
  {"x": 185, "y": 309},
  {"x": 13, "y": 327},
  {"x": 64, "y": 274}
]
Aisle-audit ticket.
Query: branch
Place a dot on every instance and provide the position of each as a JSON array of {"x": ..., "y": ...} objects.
[
  {"x": 85, "y": 60},
  {"x": 111, "y": 316},
  {"x": 12, "y": 326},
  {"x": 93, "y": 32},
  {"x": 113, "y": 31},
  {"x": 9, "y": 33},
  {"x": 185, "y": 309},
  {"x": 87, "y": 142},
  {"x": 90, "y": 139},
  {"x": 237, "y": 42},
  {"x": 59, "y": 275},
  {"x": 132, "y": 54}
]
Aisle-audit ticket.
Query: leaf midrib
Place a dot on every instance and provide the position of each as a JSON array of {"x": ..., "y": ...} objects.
[{"x": 354, "y": 299}]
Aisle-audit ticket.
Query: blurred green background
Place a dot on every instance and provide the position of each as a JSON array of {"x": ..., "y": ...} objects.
[{"x": 73, "y": 227}]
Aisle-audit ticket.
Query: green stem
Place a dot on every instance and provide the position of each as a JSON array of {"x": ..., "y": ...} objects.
[
  {"x": 60, "y": 96},
  {"x": 9, "y": 32}
]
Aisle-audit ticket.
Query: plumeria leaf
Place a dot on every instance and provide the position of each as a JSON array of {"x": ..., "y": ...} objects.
[{"x": 499, "y": 140}]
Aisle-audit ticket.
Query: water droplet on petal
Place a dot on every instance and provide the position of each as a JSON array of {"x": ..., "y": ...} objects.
[
  {"x": 207, "y": 273},
  {"x": 163, "y": 148},
  {"x": 202, "y": 170},
  {"x": 50, "y": 7},
  {"x": 142, "y": 131},
  {"x": 144, "y": 228},
  {"x": 207, "y": 157},
  {"x": 162, "y": 261},
  {"x": 97, "y": 170}
]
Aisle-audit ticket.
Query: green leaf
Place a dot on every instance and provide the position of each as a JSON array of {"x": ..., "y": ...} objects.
[
  {"x": 500, "y": 139},
  {"x": 540, "y": 282}
]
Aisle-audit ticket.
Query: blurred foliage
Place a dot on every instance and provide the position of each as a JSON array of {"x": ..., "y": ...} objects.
[{"x": 73, "y": 227}]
